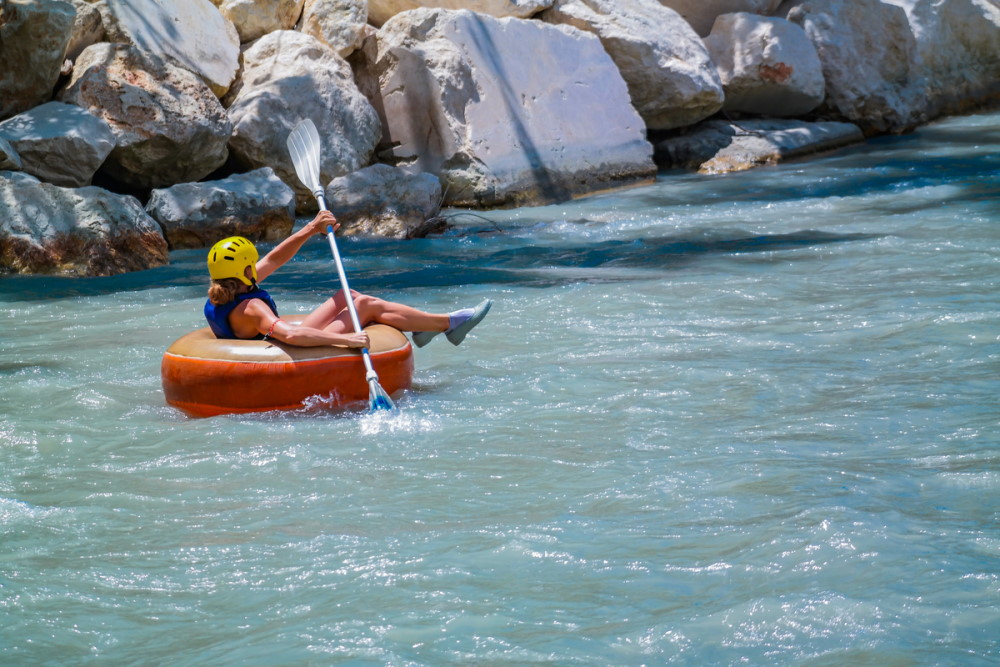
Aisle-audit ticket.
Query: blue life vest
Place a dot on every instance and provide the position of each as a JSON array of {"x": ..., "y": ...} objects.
[{"x": 218, "y": 316}]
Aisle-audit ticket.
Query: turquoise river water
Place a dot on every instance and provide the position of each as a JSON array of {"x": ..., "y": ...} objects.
[{"x": 744, "y": 419}]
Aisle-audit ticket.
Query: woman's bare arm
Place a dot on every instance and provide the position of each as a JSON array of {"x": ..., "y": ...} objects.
[{"x": 285, "y": 250}]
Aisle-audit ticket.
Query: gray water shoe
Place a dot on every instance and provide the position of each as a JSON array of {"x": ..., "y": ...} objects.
[
  {"x": 421, "y": 338},
  {"x": 457, "y": 335}
]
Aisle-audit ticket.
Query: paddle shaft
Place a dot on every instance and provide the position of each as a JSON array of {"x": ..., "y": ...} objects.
[{"x": 347, "y": 288}]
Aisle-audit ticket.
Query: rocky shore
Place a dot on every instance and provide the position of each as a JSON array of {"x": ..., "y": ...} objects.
[{"x": 129, "y": 128}]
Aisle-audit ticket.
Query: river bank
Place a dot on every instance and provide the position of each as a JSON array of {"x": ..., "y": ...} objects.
[{"x": 129, "y": 129}]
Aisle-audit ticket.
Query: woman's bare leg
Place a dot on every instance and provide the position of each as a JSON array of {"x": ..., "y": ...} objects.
[
  {"x": 333, "y": 315},
  {"x": 328, "y": 311}
]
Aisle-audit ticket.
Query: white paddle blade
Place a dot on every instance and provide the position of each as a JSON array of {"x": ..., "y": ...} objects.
[
  {"x": 304, "y": 148},
  {"x": 378, "y": 398}
]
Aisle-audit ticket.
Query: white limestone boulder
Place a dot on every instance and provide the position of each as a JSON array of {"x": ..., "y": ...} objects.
[
  {"x": 169, "y": 126},
  {"x": 255, "y": 18},
  {"x": 460, "y": 100},
  {"x": 289, "y": 76},
  {"x": 192, "y": 32},
  {"x": 59, "y": 143},
  {"x": 767, "y": 65},
  {"x": 717, "y": 147},
  {"x": 701, "y": 14},
  {"x": 256, "y": 205},
  {"x": 34, "y": 35},
  {"x": 385, "y": 201},
  {"x": 380, "y": 11},
  {"x": 958, "y": 52},
  {"x": 868, "y": 53},
  {"x": 671, "y": 78},
  {"x": 87, "y": 231},
  {"x": 340, "y": 24}
]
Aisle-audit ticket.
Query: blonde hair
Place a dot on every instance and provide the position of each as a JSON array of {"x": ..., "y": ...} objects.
[{"x": 221, "y": 292}]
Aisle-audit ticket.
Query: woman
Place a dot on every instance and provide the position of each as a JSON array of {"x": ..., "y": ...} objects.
[{"x": 238, "y": 308}]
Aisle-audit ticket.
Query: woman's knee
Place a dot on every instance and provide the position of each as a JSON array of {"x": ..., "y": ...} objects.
[
  {"x": 367, "y": 303},
  {"x": 340, "y": 301}
]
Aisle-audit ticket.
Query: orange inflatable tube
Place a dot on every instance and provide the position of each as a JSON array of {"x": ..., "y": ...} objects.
[{"x": 205, "y": 376}]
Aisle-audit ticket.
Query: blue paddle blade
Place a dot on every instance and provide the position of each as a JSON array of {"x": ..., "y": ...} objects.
[{"x": 378, "y": 399}]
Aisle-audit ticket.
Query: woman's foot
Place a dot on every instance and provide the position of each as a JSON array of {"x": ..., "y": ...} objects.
[
  {"x": 461, "y": 323},
  {"x": 421, "y": 338},
  {"x": 464, "y": 323}
]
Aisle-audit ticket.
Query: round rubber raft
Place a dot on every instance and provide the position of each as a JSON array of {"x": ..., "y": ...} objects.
[{"x": 205, "y": 376}]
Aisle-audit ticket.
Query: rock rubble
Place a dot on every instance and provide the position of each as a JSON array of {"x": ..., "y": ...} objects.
[{"x": 128, "y": 127}]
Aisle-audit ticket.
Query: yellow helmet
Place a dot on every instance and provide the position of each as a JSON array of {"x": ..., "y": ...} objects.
[{"x": 230, "y": 257}]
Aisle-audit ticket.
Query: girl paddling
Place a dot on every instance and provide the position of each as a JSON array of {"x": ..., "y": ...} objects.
[{"x": 238, "y": 308}]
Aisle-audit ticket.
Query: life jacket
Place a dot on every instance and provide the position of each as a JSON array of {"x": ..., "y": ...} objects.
[{"x": 218, "y": 316}]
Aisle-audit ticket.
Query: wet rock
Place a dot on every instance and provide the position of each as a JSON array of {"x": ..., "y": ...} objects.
[
  {"x": 34, "y": 35},
  {"x": 767, "y": 65},
  {"x": 86, "y": 231},
  {"x": 868, "y": 55},
  {"x": 340, "y": 24},
  {"x": 701, "y": 14},
  {"x": 257, "y": 205},
  {"x": 380, "y": 11},
  {"x": 59, "y": 143},
  {"x": 191, "y": 32},
  {"x": 671, "y": 78},
  {"x": 169, "y": 127},
  {"x": 255, "y": 18},
  {"x": 716, "y": 147},
  {"x": 289, "y": 76},
  {"x": 462, "y": 102},
  {"x": 385, "y": 201}
]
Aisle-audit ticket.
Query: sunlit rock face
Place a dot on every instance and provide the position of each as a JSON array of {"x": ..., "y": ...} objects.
[
  {"x": 767, "y": 65},
  {"x": 169, "y": 127},
  {"x": 671, "y": 78},
  {"x": 380, "y": 11},
  {"x": 288, "y": 76},
  {"x": 460, "y": 100}
]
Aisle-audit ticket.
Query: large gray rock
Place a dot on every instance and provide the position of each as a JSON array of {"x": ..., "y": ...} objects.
[
  {"x": 257, "y": 205},
  {"x": 380, "y": 11},
  {"x": 958, "y": 52},
  {"x": 192, "y": 32},
  {"x": 255, "y": 18},
  {"x": 59, "y": 143},
  {"x": 384, "y": 201},
  {"x": 460, "y": 100},
  {"x": 81, "y": 231},
  {"x": 717, "y": 147},
  {"x": 88, "y": 28},
  {"x": 340, "y": 24},
  {"x": 767, "y": 65},
  {"x": 34, "y": 35},
  {"x": 701, "y": 14},
  {"x": 671, "y": 78},
  {"x": 288, "y": 76},
  {"x": 868, "y": 54},
  {"x": 169, "y": 126}
]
